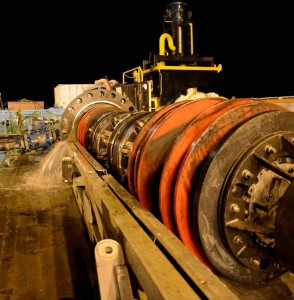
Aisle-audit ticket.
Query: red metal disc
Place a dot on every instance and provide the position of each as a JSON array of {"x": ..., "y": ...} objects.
[
  {"x": 87, "y": 118},
  {"x": 83, "y": 125},
  {"x": 177, "y": 151},
  {"x": 156, "y": 146},
  {"x": 139, "y": 141},
  {"x": 189, "y": 169}
]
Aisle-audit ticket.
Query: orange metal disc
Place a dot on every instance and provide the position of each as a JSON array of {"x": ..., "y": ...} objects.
[
  {"x": 177, "y": 151},
  {"x": 84, "y": 123},
  {"x": 193, "y": 160},
  {"x": 156, "y": 146},
  {"x": 139, "y": 142}
]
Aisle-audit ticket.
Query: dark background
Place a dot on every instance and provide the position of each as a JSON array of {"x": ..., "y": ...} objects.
[{"x": 46, "y": 44}]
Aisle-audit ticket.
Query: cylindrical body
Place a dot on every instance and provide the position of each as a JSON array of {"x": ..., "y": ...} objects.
[
  {"x": 230, "y": 219},
  {"x": 179, "y": 15}
]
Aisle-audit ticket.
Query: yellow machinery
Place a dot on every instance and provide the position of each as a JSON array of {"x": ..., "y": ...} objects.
[{"x": 188, "y": 199}]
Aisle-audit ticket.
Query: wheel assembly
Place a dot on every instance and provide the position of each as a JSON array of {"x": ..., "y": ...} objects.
[
  {"x": 217, "y": 172},
  {"x": 245, "y": 181}
]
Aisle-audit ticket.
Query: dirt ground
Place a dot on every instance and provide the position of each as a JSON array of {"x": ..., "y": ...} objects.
[{"x": 44, "y": 248}]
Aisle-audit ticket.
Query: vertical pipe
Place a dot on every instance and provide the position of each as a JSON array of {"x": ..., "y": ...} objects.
[{"x": 179, "y": 14}]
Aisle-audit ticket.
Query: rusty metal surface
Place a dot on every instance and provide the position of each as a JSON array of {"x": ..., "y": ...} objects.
[
  {"x": 284, "y": 232},
  {"x": 121, "y": 143},
  {"x": 177, "y": 152},
  {"x": 139, "y": 142},
  {"x": 150, "y": 266},
  {"x": 208, "y": 197},
  {"x": 199, "y": 275},
  {"x": 101, "y": 134},
  {"x": 86, "y": 121},
  {"x": 210, "y": 284},
  {"x": 156, "y": 146},
  {"x": 86, "y": 101},
  {"x": 188, "y": 173},
  {"x": 251, "y": 195}
]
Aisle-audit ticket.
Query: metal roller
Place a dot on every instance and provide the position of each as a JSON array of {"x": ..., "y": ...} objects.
[
  {"x": 158, "y": 141},
  {"x": 85, "y": 126},
  {"x": 86, "y": 101},
  {"x": 101, "y": 134},
  {"x": 242, "y": 185},
  {"x": 198, "y": 152},
  {"x": 177, "y": 151},
  {"x": 139, "y": 142},
  {"x": 216, "y": 172},
  {"x": 121, "y": 140}
]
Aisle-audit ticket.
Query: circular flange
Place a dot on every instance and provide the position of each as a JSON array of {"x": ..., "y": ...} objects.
[
  {"x": 250, "y": 198},
  {"x": 86, "y": 122},
  {"x": 197, "y": 153},
  {"x": 81, "y": 104},
  {"x": 139, "y": 142},
  {"x": 121, "y": 141},
  {"x": 207, "y": 200},
  {"x": 156, "y": 146},
  {"x": 102, "y": 131}
]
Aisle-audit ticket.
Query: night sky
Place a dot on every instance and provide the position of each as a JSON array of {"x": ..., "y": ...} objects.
[{"x": 45, "y": 45}]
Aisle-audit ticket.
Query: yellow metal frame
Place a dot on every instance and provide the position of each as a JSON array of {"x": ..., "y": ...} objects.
[
  {"x": 191, "y": 39},
  {"x": 137, "y": 74},
  {"x": 154, "y": 103},
  {"x": 161, "y": 67}
]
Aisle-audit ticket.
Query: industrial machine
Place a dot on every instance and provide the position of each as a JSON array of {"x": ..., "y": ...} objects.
[
  {"x": 21, "y": 131},
  {"x": 181, "y": 198}
]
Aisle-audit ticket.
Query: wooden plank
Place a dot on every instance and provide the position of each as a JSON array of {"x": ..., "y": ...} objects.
[
  {"x": 26, "y": 220},
  {"x": 58, "y": 198},
  {"x": 26, "y": 240},
  {"x": 6, "y": 275},
  {"x": 4, "y": 196},
  {"x": 7, "y": 245},
  {"x": 43, "y": 202},
  {"x": 54, "y": 263},
  {"x": 28, "y": 279},
  {"x": 22, "y": 203},
  {"x": 155, "y": 273},
  {"x": 44, "y": 247},
  {"x": 10, "y": 199},
  {"x": 4, "y": 217},
  {"x": 210, "y": 284},
  {"x": 94, "y": 163},
  {"x": 67, "y": 263},
  {"x": 7, "y": 235}
]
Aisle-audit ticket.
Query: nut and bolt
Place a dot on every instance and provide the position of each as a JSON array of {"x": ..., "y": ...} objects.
[
  {"x": 246, "y": 199},
  {"x": 270, "y": 149},
  {"x": 247, "y": 174},
  {"x": 255, "y": 261},
  {"x": 238, "y": 240},
  {"x": 235, "y": 208}
]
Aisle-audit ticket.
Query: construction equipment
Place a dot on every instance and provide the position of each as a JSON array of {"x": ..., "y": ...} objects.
[{"x": 197, "y": 192}]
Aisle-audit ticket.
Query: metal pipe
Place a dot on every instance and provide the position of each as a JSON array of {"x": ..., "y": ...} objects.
[
  {"x": 179, "y": 14},
  {"x": 166, "y": 37}
]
